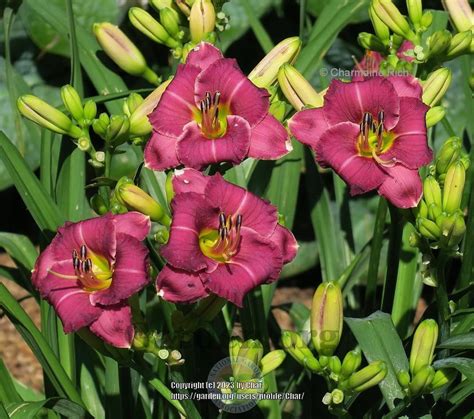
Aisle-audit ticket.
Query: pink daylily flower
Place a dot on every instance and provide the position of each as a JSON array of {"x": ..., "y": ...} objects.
[
  {"x": 90, "y": 269},
  {"x": 212, "y": 113},
  {"x": 373, "y": 134},
  {"x": 223, "y": 240}
]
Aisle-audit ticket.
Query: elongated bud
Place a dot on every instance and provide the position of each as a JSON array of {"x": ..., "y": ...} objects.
[
  {"x": 117, "y": 131},
  {"x": 295, "y": 346},
  {"x": 326, "y": 318},
  {"x": 272, "y": 361},
  {"x": 132, "y": 103},
  {"x": 252, "y": 351},
  {"x": 423, "y": 346},
  {"x": 428, "y": 228},
  {"x": 443, "y": 377},
  {"x": 72, "y": 102},
  {"x": 45, "y": 115},
  {"x": 460, "y": 13},
  {"x": 266, "y": 71},
  {"x": 381, "y": 29},
  {"x": 370, "y": 42},
  {"x": 297, "y": 89},
  {"x": 139, "y": 124},
  {"x": 434, "y": 211},
  {"x": 235, "y": 343},
  {"x": 421, "y": 380},
  {"x": 452, "y": 228},
  {"x": 423, "y": 209},
  {"x": 434, "y": 115},
  {"x": 202, "y": 20},
  {"x": 438, "y": 42},
  {"x": 403, "y": 378},
  {"x": 460, "y": 44},
  {"x": 161, "y": 4},
  {"x": 391, "y": 16},
  {"x": 436, "y": 86},
  {"x": 448, "y": 154},
  {"x": 351, "y": 363},
  {"x": 415, "y": 11},
  {"x": 432, "y": 192},
  {"x": 426, "y": 20},
  {"x": 453, "y": 187},
  {"x": 368, "y": 376},
  {"x": 90, "y": 111},
  {"x": 335, "y": 364},
  {"x": 150, "y": 27},
  {"x": 170, "y": 20},
  {"x": 169, "y": 187},
  {"x": 98, "y": 204}
]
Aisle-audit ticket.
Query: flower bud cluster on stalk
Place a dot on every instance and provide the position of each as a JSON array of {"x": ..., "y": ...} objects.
[{"x": 344, "y": 378}]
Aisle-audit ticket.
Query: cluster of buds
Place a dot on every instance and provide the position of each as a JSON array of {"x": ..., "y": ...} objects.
[
  {"x": 422, "y": 377},
  {"x": 462, "y": 17},
  {"x": 344, "y": 377},
  {"x": 152, "y": 342},
  {"x": 439, "y": 217}
]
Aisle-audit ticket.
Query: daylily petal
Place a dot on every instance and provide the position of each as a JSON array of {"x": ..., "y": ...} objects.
[
  {"x": 367, "y": 67},
  {"x": 406, "y": 86},
  {"x": 203, "y": 55},
  {"x": 410, "y": 146},
  {"x": 308, "y": 125},
  {"x": 269, "y": 140},
  {"x": 179, "y": 286},
  {"x": 130, "y": 273},
  {"x": 176, "y": 106},
  {"x": 160, "y": 152},
  {"x": 286, "y": 242},
  {"x": 245, "y": 270},
  {"x": 189, "y": 180},
  {"x": 45, "y": 277},
  {"x": 115, "y": 326},
  {"x": 196, "y": 151},
  {"x": 337, "y": 148},
  {"x": 257, "y": 214},
  {"x": 237, "y": 91},
  {"x": 402, "y": 187},
  {"x": 133, "y": 224},
  {"x": 349, "y": 101},
  {"x": 191, "y": 213}
]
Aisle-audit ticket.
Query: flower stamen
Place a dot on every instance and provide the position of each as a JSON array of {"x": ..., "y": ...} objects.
[{"x": 211, "y": 127}]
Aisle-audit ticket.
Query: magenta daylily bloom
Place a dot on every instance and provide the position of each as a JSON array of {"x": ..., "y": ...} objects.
[
  {"x": 212, "y": 113},
  {"x": 373, "y": 134},
  {"x": 223, "y": 240},
  {"x": 90, "y": 269}
]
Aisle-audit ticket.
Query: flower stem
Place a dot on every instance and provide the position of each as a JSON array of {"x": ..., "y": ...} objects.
[{"x": 442, "y": 301}]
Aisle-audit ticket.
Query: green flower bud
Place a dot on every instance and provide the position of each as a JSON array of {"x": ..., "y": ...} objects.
[
  {"x": 324, "y": 361},
  {"x": 421, "y": 380},
  {"x": 99, "y": 127},
  {"x": 434, "y": 115},
  {"x": 278, "y": 110},
  {"x": 460, "y": 13},
  {"x": 326, "y": 318},
  {"x": 351, "y": 363},
  {"x": 370, "y": 42},
  {"x": 391, "y": 16},
  {"x": 443, "y": 377},
  {"x": 426, "y": 20},
  {"x": 132, "y": 103},
  {"x": 251, "y": 350},
  {"x": 381, "y": 29},
  {"x": 161, "y": 4},
  {"x": 452, "y": 228},
  {"x": 98, "y": 204},
  {"x": 335, "y": 364},
  {"x": 460, "y": 44},
  {"x": 438, "y": 42},
  {"x": 150, "y": 27},
  {"x": 368, "y": 376},
  {"x": 403, "y": 378},
  {"x": 235, "y": 343},
  {"x": 90, "y": 111},
  {"x": 337, "y": 396},
  {"x": 295, "y": 346},
  {"x": 423, "y": 209},
  {"x": 449, "y": 153},
  {"x": 170, "y": 20},
  {"x": 72, "y": 102},
  {"x": 202, "y": 20},
  {"x": 434, "y": 211},
  {"x": 453, "y": 187},
  {"x": 464, "y": 159},
  {"x": 297, "y": 89},
  {"x": 118, "y": 129},
  {"x": 267, "y": 70},
  {"x": 423, "y": 346},
  {"x": 415, "y": 11},
  {"x": 414, "y": 240},
  {"x": 45, "y": 115},
  {"x": 162, "y": 236},
  {"x": 436, "y": 86},
  {"x": 428, "y": 228},
  {"x": 431, "y": 192},
  {"x": 169, "y": 187},
  {"x": 272, "y": 361}
]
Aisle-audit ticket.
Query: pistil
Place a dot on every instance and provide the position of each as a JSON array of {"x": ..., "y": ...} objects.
[{"x": 210, "y": 124}]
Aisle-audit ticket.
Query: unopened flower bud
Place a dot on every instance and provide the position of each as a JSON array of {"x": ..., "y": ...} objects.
[
  {"x": 337, "y": 396},
  {"x": 452, "y": 228},
  {"x": 202, "y": 20},
  {"x": 326, "y": 318},
  {"x": 90, "y": 111},
  {"x": 170, "y": 20},
  {"x": 252, "y": 351},
  {"x": 464, "y": 159},
  {"x": 98, "y": 204},
  {"x": 267, "y": 70},
  {"x": 436, "y": 86},
  {"x": 368, "y": 376},
  {"x": 335, "y": 364},
  {"x": 235, "y": 343},
  {"x": 432, "y": 192},
  {"x": 72, "y": 102},
  {"x": 132, "y": 103},
  {"x": 434, "y": 211},
  {"x": 351, "y": 363},
  {"x": 415, "y": 11},
  {"x": 169, "y": 187},
  {"x": 423, "y": 209},
  {"x": 297, "y": 89},
  {"x": 295, "y": 346},
  {"x": 421, "y": 381},
  {"x": 161, "y": 4},
  {"x": 439, "y": 42},
  {"x": 443, "y": 377},
  {"x": 434, "y": 115},
  {"x": 403, "y": 378},
  {"x": 453, "y": 187},
  {"x": 45, "y": 115},
  {"x": 381, "y": 29},
  {"x": 423, "y": 346},
  {"x": 150, "y": 27},
  {"x": 117, "y": 130},
  {"x": 426, "y": 20},
  {"x": 460, "y": 13},
  {"x": 370, "y": 42},
  {"x": 272, "y": 361},
  {"x": 428, "y": 228},
  {"x": 448, "y": 154},
  {"x": 460, "y": 44},
  {"x": 391, "y": 16},
  {"x": 278, "y": 109}
]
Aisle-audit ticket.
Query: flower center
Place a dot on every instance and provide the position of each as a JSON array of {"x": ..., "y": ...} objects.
[
  {"x": 91, "y": 270},
  {"x": 212, "y": 119},
  {"x": 373, "y": 140},
  {"x": 223, "y": 243}
]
